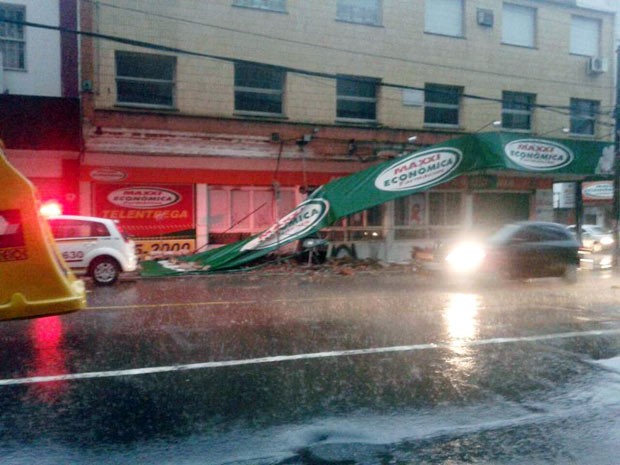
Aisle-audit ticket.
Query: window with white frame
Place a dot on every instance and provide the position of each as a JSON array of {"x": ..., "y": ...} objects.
[
  {"x": 442, "y": 104},
  {"x": 517, "y": 110},
  {"x": 444, "y": 17},
  {"x": 259, "y": 89},
  {"x": 356, "y": 98},
  {"x": 246, "y": 209},
  {"x": 444, "y": 209},
  {"x": 145, "y": 80},
  {"x": 518, "y": 25},
  {"x": 360, "y": 11},
  {"x": 583, "y": 116},
  {"x": 410, "y": 217},
  {"x": 12, "y": 37},
  {"x": 585, "y": 36},
  {"x": 270, "y": 5}
]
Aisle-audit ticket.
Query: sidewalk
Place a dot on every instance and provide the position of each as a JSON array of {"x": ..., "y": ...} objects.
[{"x": 347, "y": 267}]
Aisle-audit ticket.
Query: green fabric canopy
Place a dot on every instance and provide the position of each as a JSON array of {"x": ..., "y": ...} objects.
[{"x": 403, "y": 176}]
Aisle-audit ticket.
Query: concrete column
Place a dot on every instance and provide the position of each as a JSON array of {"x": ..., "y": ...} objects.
[
  {"x": 86, "y": 200},
  {"x": 202, "y": 216},
  {"x": 468, "y": 220}
]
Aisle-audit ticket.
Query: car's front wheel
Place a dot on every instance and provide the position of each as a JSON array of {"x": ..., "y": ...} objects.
[{"x": 104, "y": 271}]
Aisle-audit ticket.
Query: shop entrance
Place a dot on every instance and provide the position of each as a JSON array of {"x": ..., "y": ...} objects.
[{"x": 493, "y": 210}]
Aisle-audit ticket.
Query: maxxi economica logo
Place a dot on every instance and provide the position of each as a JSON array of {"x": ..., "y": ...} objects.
[{"x": 296, "y": 224}]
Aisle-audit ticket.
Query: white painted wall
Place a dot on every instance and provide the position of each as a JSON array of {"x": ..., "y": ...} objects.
[{"x": 42, "y": 75}]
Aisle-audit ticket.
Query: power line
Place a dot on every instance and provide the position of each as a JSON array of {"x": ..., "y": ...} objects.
[
  {"x": 337, "y": 49},
  {"x": 303, "y": 72}
]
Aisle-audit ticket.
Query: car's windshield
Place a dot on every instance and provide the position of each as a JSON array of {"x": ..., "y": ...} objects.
[{"x": 503, "y": 235}]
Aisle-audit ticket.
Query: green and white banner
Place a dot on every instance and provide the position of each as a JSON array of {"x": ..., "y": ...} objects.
[{"x": 402, "y": 176}]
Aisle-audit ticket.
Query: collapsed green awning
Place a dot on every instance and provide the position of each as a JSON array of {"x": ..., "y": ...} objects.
[{"x": 402, "y": 176}]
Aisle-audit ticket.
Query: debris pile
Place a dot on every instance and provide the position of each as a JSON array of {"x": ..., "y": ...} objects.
[{"x": 336, "y": 266}]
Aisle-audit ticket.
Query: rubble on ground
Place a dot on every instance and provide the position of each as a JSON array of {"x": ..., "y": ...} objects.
[{"x": 340, "y": 266}]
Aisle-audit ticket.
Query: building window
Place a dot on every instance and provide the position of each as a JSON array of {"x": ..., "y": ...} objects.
[
  {"x": 517, "y": 110},
  {"x": 429, "y": 215},
  {"x": 444, "y": 209},
  {"x": 145, "y": 80},
  {"x": 360, "y": 226},
  {"x": 441, "y": 104},
  {"x": 270, "y": 5},
  {"x": 12, "y": 38},
  {"x": 360, "y": 11},
  {"x": 356, "y": 99},
  {"x": 259, "y": 89},
  {"x": 248, "y": 210},
  {"x": 585, "y": 36},
  {"x": 583, "y": 115},
  {"x": 518, "y": 25},
  {"x": 444, "y": 17}
]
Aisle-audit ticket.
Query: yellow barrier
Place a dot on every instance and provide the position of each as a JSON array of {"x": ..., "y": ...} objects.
[{"x": 34, "y": 280}]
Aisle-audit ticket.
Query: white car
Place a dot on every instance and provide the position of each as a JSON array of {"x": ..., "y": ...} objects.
[
  {"x": 96, "y": 247},
  {"x": 594, "y": 237}
]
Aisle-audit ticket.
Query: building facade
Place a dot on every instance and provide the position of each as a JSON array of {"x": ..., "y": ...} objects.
[
  {"x": 39, "y": 99},
  {"x": 203, "y": 122}
]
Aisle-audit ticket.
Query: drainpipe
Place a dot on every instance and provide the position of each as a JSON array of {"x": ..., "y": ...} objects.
[{"x": 578, "y": 209}]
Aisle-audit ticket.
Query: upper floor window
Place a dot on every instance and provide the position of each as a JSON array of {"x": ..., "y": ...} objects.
[
  {"x": 517, "y": 110},
  {"x": 360, "y": 11},
  {"x": 12, "y": 37},
  {"x": 585, "y": 36},
  {"x": 259, "y": 89},
  {"x": 583, "y": 115},
  {"x": 145, "y": 80},
  {"x": 356, "y": 98},
  {"x": 442, "y": 104},
  {"x": 432, "y": 214},
  {"x": 518, "y": 25},
  {"x": 271, "y": 5},
  {"x": 444, "y": 17}
]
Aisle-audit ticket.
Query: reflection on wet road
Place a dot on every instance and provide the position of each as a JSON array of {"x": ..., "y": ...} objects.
[{"x": 301, "y": 369}]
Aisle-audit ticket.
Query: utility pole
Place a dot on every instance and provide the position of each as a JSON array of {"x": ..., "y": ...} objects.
[{"x": 616, "y": 207}]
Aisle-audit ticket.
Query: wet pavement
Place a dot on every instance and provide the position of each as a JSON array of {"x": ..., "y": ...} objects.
[{"x": 366, "y": 366}]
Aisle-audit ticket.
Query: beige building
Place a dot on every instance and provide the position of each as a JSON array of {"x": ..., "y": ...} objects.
[{"x": 206, "y": 121}]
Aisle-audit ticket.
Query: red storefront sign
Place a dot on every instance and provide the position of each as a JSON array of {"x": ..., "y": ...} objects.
[
  {"x": 12, "y": 244},
  {"x": 147, "y": 210}
]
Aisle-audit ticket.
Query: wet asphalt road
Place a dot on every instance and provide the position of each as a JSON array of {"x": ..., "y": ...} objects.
[{"x": 382, "y": 367}]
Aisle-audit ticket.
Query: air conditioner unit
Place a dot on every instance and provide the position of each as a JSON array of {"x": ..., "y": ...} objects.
[
  {"x": 484, "y": 17},
  {"x": 597, "y": 65}
]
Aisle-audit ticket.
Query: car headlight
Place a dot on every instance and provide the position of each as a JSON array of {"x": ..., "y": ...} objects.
[
  {"x": 466, "y": 257},
  {"x": 607, "y": 240}
]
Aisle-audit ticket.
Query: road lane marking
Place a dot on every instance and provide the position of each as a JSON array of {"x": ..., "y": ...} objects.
[
  {"x": 214, "y": 303},
  {"x": 308, "y": 356}
]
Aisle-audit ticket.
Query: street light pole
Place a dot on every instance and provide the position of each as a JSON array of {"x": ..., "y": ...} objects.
[{"x": 616, "y": 193}]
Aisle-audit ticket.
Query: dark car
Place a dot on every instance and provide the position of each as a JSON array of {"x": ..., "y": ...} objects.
[{"x": 528, "y": 249}]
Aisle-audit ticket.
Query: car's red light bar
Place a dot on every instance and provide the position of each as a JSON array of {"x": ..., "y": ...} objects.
[{"x": 50, "y": 208}]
